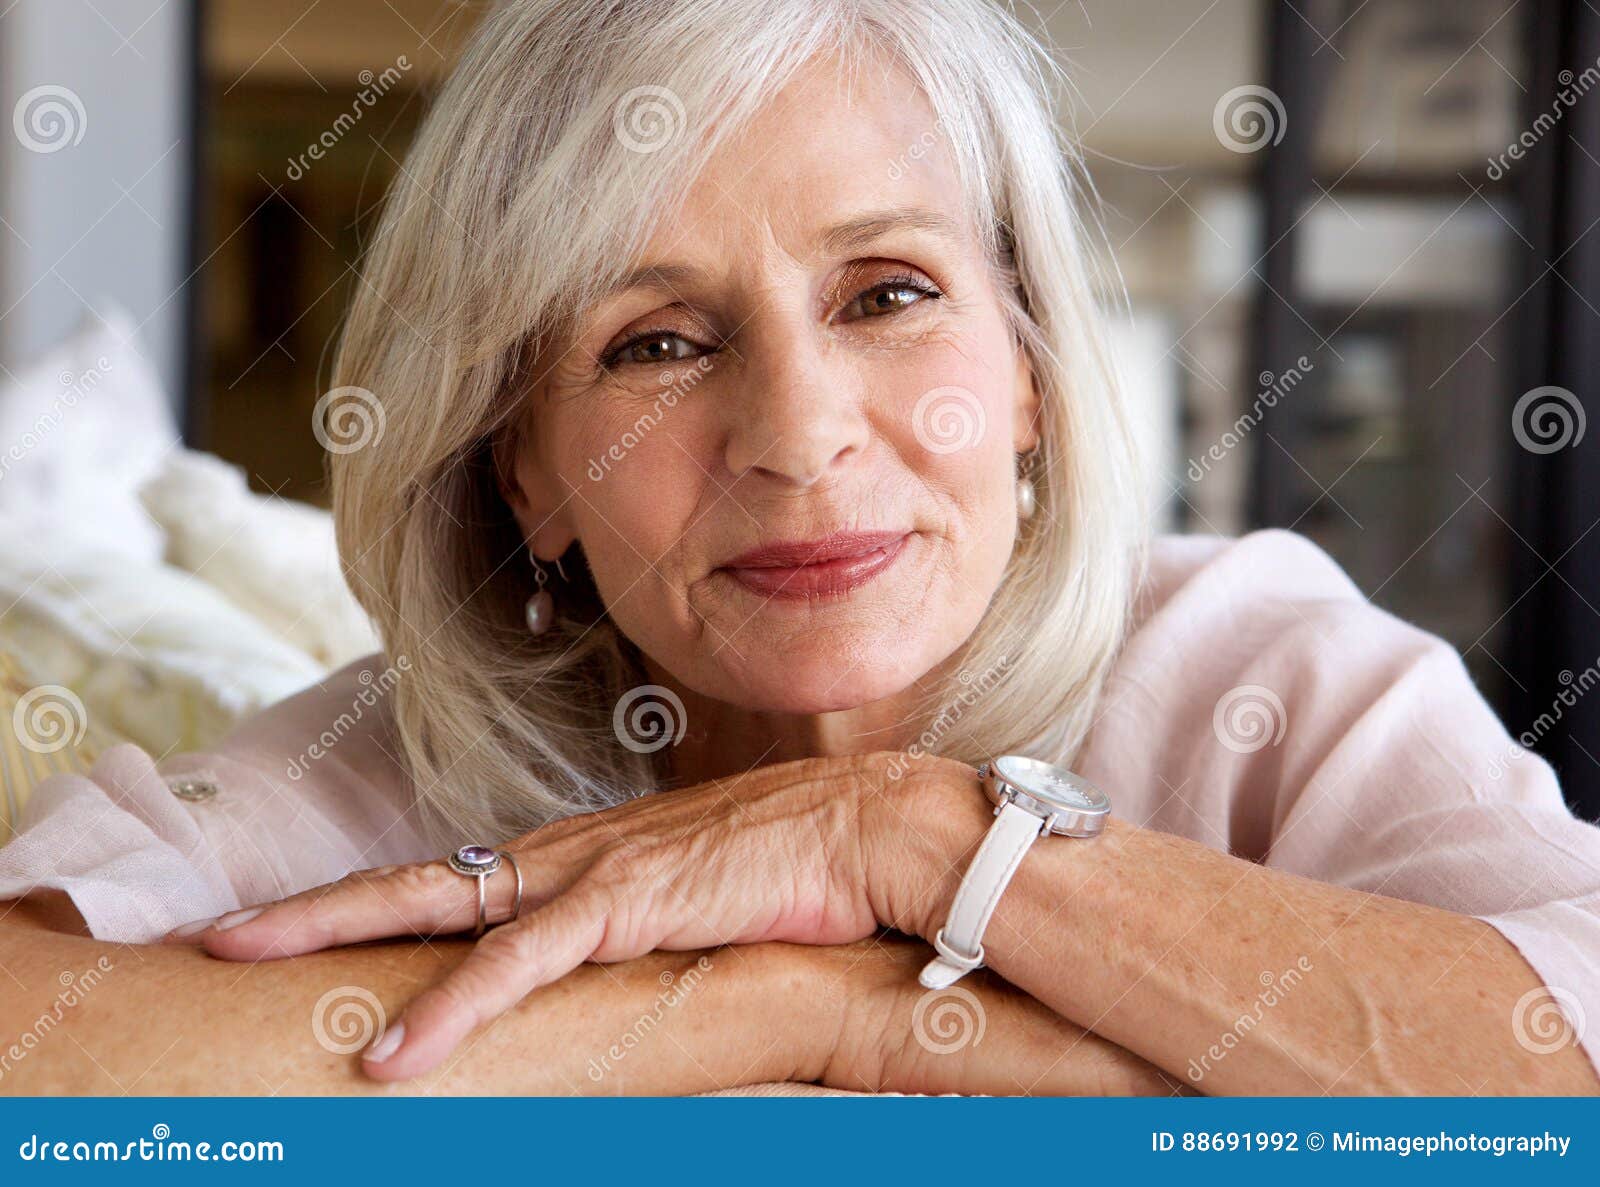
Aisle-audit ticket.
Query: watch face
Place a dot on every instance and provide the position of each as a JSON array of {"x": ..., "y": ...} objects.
[{"x": 1051, "y": 784}]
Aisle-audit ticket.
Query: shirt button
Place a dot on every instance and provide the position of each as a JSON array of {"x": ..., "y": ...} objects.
[{"x": 193, "y": 788}]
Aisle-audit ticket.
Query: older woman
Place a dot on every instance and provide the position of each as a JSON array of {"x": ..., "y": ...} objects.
[{"x": 742, "y": 467}]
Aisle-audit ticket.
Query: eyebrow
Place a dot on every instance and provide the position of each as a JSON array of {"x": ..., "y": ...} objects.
[
  {"x": 857, "y": 232},
  {"x": 850, "y": 235}
]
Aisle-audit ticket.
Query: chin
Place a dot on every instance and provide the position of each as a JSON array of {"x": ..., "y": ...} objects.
[{"x": 824, "y": 680}]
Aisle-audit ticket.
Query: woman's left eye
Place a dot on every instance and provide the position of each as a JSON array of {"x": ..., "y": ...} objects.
[{"x": 891, "y": 296}]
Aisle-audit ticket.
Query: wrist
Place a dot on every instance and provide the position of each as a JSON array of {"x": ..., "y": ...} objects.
[
  {"x": 798, "y": 999},
  {"x": 920, "y": 823}
]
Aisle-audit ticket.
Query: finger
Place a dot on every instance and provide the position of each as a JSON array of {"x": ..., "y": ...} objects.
[
  {"x": 427, "y": 899},
  {"x": 503, "y": 968},
  {"x": 195, "y": 932}
]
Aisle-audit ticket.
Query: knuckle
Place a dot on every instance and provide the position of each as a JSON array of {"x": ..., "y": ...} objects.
[
  {"x": 407, "y": 881},
  {"x": 461, "y": 995},
  {"x": 613, "y": 865},
  {"x": 509, "y": 947},
  {"x": 555, "y": 829},
  {"x": 374, "y": 874}
]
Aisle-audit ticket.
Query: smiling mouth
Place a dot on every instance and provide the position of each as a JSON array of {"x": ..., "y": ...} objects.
[{"x": 806, "y": 569}]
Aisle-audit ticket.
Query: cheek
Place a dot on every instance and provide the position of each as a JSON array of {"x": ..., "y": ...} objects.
[
  {"x": 636, "y": 491},
  {"x": 948, "y": 418}
]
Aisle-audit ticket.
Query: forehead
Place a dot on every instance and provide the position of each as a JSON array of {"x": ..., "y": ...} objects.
[{"x": 832, "y": 143}]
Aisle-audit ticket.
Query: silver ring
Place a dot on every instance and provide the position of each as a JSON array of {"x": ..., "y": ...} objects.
[
  {"x": 478, "y": 861},
  {"x": 516, "y": 903}
]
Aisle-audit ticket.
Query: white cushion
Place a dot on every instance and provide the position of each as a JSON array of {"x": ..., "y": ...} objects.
[
  {"x": 273, "y": 558},
  {"x": 80, "y": 430},
  {"x": 155, "y": 654}
]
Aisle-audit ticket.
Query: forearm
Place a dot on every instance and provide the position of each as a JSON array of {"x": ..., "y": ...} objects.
[
  {"x": 982, "y": 1037},
  {"x": 1238, "y": 978},
  {"x": 170, "y": 1019}
]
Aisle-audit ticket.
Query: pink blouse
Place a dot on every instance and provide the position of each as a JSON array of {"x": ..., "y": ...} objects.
[{"x": 1261, "y": 705}]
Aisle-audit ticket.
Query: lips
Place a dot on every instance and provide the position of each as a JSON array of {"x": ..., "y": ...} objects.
[{"x": 801, "y": 569}]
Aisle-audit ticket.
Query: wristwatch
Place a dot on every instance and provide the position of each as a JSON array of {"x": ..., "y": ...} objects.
[{"x": 1030, "y": 798}]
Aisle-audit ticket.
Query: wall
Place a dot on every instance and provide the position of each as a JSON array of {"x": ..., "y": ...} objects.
[{"x": 92, "y": 189}]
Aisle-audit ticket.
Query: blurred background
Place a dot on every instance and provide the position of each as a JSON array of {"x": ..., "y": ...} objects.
[{"x": 1355, "y": 234}]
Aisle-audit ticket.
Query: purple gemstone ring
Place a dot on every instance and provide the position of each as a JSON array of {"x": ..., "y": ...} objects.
[
  {"x": 479, "y": 861},
  {"x": 474, "y": 860}
]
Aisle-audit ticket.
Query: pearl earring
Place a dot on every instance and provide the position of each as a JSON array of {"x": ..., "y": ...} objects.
[
  {"x": 1025, "y": 497},
  {"x": 540, "y": 609}
]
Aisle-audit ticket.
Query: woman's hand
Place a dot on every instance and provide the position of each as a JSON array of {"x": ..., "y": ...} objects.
[{"x": 789, "y": 852}]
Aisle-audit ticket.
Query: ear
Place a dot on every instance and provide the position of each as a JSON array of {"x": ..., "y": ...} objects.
[
  {"x": 1026, "y": 406},
  {"x": 524, "y": 484}
]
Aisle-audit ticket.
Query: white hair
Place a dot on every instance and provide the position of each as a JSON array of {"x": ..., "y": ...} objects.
[{"x": 523, "y": 197}]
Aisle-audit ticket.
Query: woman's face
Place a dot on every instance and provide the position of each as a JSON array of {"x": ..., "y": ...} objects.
[{"x": 787, "y": 446}]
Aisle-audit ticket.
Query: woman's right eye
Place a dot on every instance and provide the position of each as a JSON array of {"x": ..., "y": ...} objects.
[{"x": 653, "y": 349}]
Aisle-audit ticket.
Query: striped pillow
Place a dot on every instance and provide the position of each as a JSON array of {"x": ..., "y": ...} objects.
[{"x": 44, "y": 730}]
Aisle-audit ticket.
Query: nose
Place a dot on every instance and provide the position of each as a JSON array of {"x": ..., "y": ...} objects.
[{"x": 798, "y": 418}]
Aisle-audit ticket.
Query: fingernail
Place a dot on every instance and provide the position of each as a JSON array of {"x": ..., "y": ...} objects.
[
  {"x": 386, "y": 1045},
  {"x": 238, "y": 917},
  {"x": 189, "y": 929}
]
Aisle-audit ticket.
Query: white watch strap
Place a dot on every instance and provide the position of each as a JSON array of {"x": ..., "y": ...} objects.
[{"x": 960, "y": 941}]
